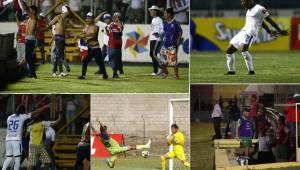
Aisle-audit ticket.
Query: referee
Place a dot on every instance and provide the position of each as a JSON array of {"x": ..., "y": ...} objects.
[{"x": 157, "y": 29}]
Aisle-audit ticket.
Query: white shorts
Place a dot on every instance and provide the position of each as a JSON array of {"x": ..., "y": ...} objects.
[
  {"x": 13, "y": 148},
  {"x": 20, "y": 52},
  {"x": 241, "y": 39}
]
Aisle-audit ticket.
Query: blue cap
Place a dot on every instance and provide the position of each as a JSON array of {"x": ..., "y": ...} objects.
[{"x": 107, "y": 16}]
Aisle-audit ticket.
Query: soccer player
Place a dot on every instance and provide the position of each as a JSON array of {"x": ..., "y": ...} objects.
[
  {"x": 113, "y": 146},
  {"x": 177, "y": 140},
  {"x": 254, "y": 20},
  {"x": 171, "y": 41},
  {"x": 30, "y": 38},
  {"x": 60, "y": 29},
  {"x": 90, "y": 35},
  {"x": 245, "y": 132},
  {"x": 157, "y": 29},
  {"x": 14, "y": 135}
]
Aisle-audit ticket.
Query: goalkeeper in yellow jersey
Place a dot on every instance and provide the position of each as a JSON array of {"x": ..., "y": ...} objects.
[
  {"x": 113, "y": 146},
  {"x": 177, "y": 140}
]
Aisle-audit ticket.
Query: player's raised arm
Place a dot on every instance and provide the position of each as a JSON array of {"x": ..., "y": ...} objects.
[
  {"x": 93, "y": 129},
  {"x": 55, "y": 123},
  {"x": 99, "y": 16},
  {"x": 25, "y": 8},
  {"x": 266, "y": 27},
  {"x": 52, "y": 22},
  {"x": 278, "y": 29},
  {"x": 17, "y": 19}
]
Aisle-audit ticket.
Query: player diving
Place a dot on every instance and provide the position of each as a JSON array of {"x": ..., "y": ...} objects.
[{"x": 113, "y": 146}]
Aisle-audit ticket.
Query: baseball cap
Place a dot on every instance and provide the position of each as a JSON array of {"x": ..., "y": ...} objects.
[
  {"x": 42, "y": 15},
  {"x": 89, "y": 14},
  {"x": 296, "y": 95},
  {"x": 107, "y": 16},
  {"x": 153, "y": 7}
]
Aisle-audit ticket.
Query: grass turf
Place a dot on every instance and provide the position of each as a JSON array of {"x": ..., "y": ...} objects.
[
  {"x": 136, "y": 79},
  {"x": 202, "y": 152},
  {"x": 270, "y": 67}
]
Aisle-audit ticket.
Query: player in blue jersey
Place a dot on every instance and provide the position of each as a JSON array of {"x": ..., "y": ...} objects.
[{"x": 171, "y": 41}]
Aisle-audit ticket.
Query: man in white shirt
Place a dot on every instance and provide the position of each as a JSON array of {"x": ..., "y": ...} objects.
[
  {"x": 14, "y": 135},
  {"x": 217, "y": 117},
  {"x": 157, "y": 29},
  {"x": 254, "y": 20}
]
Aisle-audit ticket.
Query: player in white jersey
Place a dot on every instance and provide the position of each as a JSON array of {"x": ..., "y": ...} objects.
[
  {"x": 14, "y": 135},
  {"x": 256, "y": 14},
  {"x": 157, "y": 29}
]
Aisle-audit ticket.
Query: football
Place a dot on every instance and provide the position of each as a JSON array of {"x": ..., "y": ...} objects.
[{"x": 145, "y": 154}]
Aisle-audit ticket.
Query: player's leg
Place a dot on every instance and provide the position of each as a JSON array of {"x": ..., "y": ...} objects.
[
  {"x": 9, "y": 154},
  {"x": 182, "y": 158},
  {"x": 248, "y": 59},
  {"x": 96, "y": 53},
  {"x": 17, "y": 152},
  {"x": 85, "y": 63},
  {"x": 86, "y": 164},
  {"x": 45, "y": 158},
  {"x": 33, "y": 155},
  {"x": 164, "y": 158},
  {"x": 231, "y": 59},
  {"x": 111, "y": 161}
]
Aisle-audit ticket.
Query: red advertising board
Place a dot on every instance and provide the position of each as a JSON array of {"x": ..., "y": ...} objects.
[
  {"x": 295, "y": 34},
  {"x": 97, "y": 148}
]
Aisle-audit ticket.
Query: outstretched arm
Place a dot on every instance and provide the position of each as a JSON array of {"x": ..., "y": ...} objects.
[
  {"x": 17, "y": 19},
  {"x": 278, "y": 29},
  {"x": 52, "y": 22},
  {"x": 266, "y": 27},
  {"x": 57, "y": 121},
  {"x": 39, "y": 110},
  {"x": 25, "y": 8},
  {"x": 100, "y": 16},
  {"x": 93, "y": 129}
]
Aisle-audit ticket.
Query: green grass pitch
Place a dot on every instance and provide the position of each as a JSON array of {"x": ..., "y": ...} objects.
[
  {"x": 136, "y": 79},
  {"x": 270, "y": 67}
]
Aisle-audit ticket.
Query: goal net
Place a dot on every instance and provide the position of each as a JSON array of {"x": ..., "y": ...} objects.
[{"x": 179, "y": 113}]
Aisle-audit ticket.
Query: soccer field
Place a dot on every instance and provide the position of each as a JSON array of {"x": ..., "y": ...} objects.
[
  {"x": 136, "y": 79},
  {"x": 128, "y": 163},
  {"x": 270, "y": 67}
]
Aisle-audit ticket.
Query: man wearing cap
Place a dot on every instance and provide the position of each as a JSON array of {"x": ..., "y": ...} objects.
[
  {"x": 60, "y": 22},
  {"x": 30, "y": 38},
  {"x": 40, "y": 35},
  {"x": 90, "y": 35},
  {"x": 171, "y": 41},
  {"x": 102, "y": 25},
  {"x": 157, "y": 29}
]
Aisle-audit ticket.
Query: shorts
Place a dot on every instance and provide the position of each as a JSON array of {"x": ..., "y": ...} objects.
[
  {"x": 241, "y": 39},
  {"x": 83, "y": 152},
  {"x": 246, "y": 142},
  {"x": 13, "y": 148},
  {"x": 169, "y": 55},
  {"x": 38, "y": 152},
  {"x": 178, "y": 155}
]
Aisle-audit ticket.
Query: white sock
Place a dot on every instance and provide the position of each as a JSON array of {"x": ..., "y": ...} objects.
[
  {"x": 248, "y": 60},
  {"x": 6, "y": 163},
  {"x": 17, "y": 163},
  {"x": 231, "y": 62}
]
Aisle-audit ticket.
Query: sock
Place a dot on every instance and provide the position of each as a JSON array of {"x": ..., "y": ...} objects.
[
  {"x": 187, "y": 164},
  {"x": 6, "y": 163},
  {"x": 163, "y": 163},
  {"x": 248, "y": 60},
  {"x": 231, "y": 62},
  {"x": 17, "y": 163},
  {"x": 139, "y": 147}
]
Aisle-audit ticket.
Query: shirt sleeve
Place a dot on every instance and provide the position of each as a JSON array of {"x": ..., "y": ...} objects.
[
  {"x": 263, "y": 12},
  {"x": 179, "y": 139}
]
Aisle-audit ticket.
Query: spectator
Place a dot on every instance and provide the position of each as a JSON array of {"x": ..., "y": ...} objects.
[
  {"x": 282, "y": 147},
  {"x": 21, "y": 38},
  {"x": 136, "y": 11},
  {"x": 71, "y": 111},
  {"x": 245, "y": 131},
  {"x": 265, "y": 154},
  {"x": 253, "y": 107},
  {"x": 217, "y": 117},
  {"x": 234, "y": 115}
]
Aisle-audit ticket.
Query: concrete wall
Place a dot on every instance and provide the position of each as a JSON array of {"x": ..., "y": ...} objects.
[{"x": 141, "y": 116}]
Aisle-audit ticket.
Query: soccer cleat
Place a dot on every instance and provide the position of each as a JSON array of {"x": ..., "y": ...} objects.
[
  {"x": 153, "y": 74},
  {"x": 148, "y": 144},
  {"x": 115, "y": 76},
  {"x": 82, "y": 77},
  {"x": 68, "y": 69},
  {"x": 251, "y": 73},
  {"x": 108, "y": 162},
  {"x": 121, "y": 71},
  {"x": 105, "y": 76},
  {"x": 159, "y": 72},
  {"x": 62, "y": 74},
  {"x": 230, "y": 73},
  {"x": 53, "y": 75}
]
